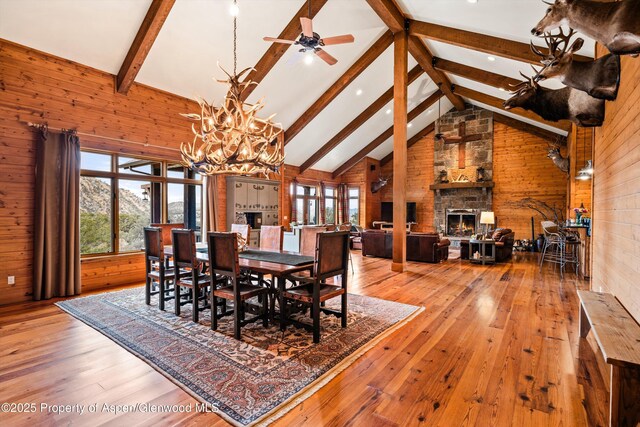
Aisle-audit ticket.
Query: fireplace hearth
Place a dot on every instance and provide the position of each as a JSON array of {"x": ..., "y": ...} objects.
[{"x": 461, "y": 222}]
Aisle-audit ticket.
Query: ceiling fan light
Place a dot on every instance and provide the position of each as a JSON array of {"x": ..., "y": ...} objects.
[
  {"x": 308, "y": 58},
  {"x": 234, "y": 10}
]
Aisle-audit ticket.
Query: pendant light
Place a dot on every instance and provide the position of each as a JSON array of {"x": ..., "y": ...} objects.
[{"x": 583, "y": 174}]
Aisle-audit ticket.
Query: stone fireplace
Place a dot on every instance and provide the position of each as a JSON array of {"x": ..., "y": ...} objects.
[{"x": 459, "y": 201}]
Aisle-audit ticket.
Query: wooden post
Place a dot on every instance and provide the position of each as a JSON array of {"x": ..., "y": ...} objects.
[{"x": 400, "y": 67}]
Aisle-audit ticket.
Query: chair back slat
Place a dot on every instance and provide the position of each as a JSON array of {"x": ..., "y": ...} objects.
[
  {"x": 184, "y": 248},
  {"x": 332, "y": 254},
  {"x": 153, "y": 244},
  {"x": 242, "y": 229},
  {"x": 271, "y": 237},
  {"x": 223, "y": 253},
  {"x": 308, "y": 239},
  {"x": 166, "y": 231},
  {"x": 344, "y": 227}
]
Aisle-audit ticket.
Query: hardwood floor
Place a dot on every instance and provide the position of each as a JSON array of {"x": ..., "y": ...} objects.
[{"x": 496, "y": 345}]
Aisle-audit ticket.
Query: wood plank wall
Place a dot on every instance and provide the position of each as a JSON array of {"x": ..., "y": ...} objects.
[
  {"x": 419, "y": 176},
  {"x": 520, "y": 169},
  {"x": 616, "y": 193},
  {"x": 580, "y": 147}
]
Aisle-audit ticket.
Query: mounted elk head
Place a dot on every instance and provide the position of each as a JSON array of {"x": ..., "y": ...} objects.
[
  {"x": 614, "y": 24},
  {"x": 554, "y": 105},
  {"x": 561, "y": 162},
  {"x": 599, "y": 78},
  {"x": 377, "y": 185}
]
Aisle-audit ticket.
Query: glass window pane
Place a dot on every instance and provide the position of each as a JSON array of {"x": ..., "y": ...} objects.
[
  {"x": 354, "y": 192},
  {"x": 95, "y": 161},
  {"x": 300, "y": 190},
  {"x": 95, "y": 215},
  {"x": 175, "y": 170},
  {"x": 329, "y": 192},
  {"x": 300, "y": 211},
  {"x": 330, "y": 211},
  {"x": 353, "y": 211},
  {"x": 175, "y": 201},
  {"x": 134, "y": 202},
  {"x": 312, "y": 191},
  {"x": 139, "y": 166},
  {"x": 313, "y": 213}
]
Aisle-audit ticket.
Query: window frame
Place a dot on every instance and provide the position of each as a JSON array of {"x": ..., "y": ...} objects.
[
  {"x": 306, "y": 197},
  {"x": 349, "y": 198},
  {"x": 334, "y": 197},
  {"x": 115, "y": 176}
]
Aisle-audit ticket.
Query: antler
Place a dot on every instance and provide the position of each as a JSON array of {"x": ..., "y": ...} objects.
[{"x": 555, "y": 40}]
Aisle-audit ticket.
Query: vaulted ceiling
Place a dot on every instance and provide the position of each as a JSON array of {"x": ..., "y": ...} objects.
[{"x": 324, "y": 132}]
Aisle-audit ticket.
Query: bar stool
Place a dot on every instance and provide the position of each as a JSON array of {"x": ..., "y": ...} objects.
[{"x": 560, "y": 247}]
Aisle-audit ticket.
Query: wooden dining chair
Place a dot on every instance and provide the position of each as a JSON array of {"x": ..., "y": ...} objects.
[
  {"x": 331, "y": 260},
  {"x": 184, "y": 257},
  {"x": 243, "y": 230},
  {"x": 156, "y": 268},
  {"x": 166, "y": 230},
  {"x": 271, "y": 237},
  {"x": 308, "y": 239},
  {"x": 223, "y": 263}
]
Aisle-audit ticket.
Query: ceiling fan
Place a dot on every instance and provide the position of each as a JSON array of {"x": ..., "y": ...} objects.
[{"x": 311, "y": 42}]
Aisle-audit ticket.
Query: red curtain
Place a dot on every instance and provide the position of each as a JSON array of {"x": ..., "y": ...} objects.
[{"x": 343, "y": 204}]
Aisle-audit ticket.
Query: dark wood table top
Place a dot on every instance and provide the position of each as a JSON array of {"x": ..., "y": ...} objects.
[{"x": 272, "y": 268}]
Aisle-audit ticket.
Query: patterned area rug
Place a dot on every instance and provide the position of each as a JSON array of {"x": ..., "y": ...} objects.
[{"x": 252, "y": 381}]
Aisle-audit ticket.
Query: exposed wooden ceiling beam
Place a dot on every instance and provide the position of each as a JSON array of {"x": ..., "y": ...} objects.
[
  {"x": 529, "y": 128},
  {"x": 394, "y": 18},
  {"x": 276, "y": 50},
  {"x": 411, "y": 142},
  {"x": 417, "y": 110},
  {"x": 383, "y": 100},
  {"x": 421, "y": 53},
  {"x": 147, "y": 33},
  {"x": 390, "y": 14},
  {"x": 564, "y": 125},
  {"x": 350, "y": 75},
  {"x": 475, "y": 74},
  {"x": 488, "y": 44}
]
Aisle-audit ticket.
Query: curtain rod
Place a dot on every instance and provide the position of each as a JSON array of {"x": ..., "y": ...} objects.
[{"x": 144, "y": 144}]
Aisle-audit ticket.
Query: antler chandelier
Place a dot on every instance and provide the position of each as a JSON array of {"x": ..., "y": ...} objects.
[{"x": 231, "y": 139}]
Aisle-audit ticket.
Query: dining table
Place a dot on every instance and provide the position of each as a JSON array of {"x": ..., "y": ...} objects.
[{"x": 277, "y": 264}]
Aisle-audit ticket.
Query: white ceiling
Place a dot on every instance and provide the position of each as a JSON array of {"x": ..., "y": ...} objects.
[{"x": 198, "y": 34}]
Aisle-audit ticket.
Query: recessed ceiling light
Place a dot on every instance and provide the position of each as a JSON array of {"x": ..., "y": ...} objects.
[
  {"x": 491, "y": 58},
  {"x": 472, "y": 1},
  {"x": 409, "y": 125},
  {"x": 388, "y": 111},
  {"x": 501, "y": 89},
  {"x": 359, "y": 92},
  {"x": 234, "y": 10},
  {"x": 429, "y": 110}
]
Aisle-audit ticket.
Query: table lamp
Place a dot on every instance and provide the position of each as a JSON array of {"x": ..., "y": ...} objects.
[{"x": 487, "y": 218}]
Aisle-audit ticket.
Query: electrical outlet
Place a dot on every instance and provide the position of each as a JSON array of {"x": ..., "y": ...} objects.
[{"x": 11, "y": 280}]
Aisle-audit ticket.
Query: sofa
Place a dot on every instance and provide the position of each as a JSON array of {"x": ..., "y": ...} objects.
[
  {"x": 422, "y": 247},
  {"x": 504, "y": 238}
]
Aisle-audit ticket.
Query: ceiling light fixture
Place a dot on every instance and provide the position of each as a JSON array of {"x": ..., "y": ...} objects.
[
  {"x": 491, "y": 58},
  {"x": 359, "y": 92},
  {"x": 308, "y": 58},
  {"x": 231, "y": 139},
  {"x": 409, "y": 125},
  {"x": 234, "y": 10},
  {"x": 472, "y": 1},
  {"x": 388, "y": 111}
]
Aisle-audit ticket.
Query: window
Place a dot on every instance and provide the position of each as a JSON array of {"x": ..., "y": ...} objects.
[
  {"x": 120, "y": 195},
  {"x": 354, "y": 205},
  {"x": 306, "y": 200},
  {"x": 330, "y": 205}
]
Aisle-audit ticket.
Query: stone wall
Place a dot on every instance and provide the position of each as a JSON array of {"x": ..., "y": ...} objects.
[{"x": 478, "y": 121}]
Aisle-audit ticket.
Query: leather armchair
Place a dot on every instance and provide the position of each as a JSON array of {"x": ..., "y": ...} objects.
[
  {"x": 377, "y": 243},
  {"x": 427, "y": 247},
  {"x": 504, "y": 246}
]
